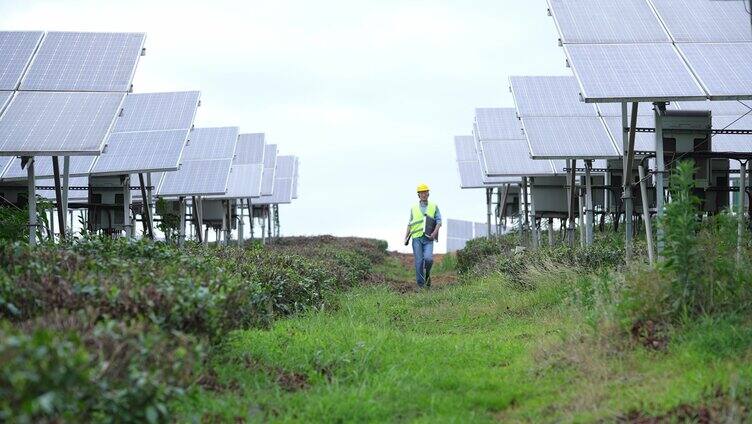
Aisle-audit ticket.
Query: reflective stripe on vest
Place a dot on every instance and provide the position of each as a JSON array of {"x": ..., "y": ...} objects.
[{"x": 418, "y": 219}]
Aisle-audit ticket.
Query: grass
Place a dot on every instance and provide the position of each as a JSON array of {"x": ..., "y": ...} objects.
[{"x": 480, "y": 351}]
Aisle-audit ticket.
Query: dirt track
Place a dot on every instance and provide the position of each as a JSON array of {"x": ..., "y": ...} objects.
[{"x": 404, "y": 285}]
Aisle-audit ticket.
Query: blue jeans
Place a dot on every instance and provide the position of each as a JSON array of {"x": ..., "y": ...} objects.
[{"x": 423, "y": 252}]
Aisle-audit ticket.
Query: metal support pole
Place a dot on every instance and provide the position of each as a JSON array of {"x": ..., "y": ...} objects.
[
  {"x": 228, "y": 222},
  {"x": 489, "y": 194},
  {"x": 580, "y": 218},
  {"x": 526, "y": 223},
  {"x": 32, "y": 201},
  {"x": 127, "y": 225},
  {"x": 628, "y": 145},
  {"x": 498, "y": 211},
  {"x": 241, "y": 222},
  {"x": 197, "y": 219},
  {"x": 742, "y": 196},
  {"x": 181, "y": 231},
  {"x": 250, "y": 217},
  {"x": 660, "y": 170},
  {"x": 589, "y": 204},
  {"x": 269, "y": 220},
  {"x": 646, "y": 214},
  {"x": 534, "y": 222},
  {"x": 550, "y": 231},
  {"x": 58, "y": 196},
  {"x": 572, "y": 197},
  {"x": 66, "y": 181},
  {"x": 146, "y": 204}
]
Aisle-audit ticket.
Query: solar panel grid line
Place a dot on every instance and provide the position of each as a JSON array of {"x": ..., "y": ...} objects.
[
  {"x": 497, "y": 124},
  {"x": 548, "y": 96},
  {"x": 732, "y": 142},
  {"x": 211, "y": 143},
  {"x": 158, "y": 111},
  {"x": 16, "y": 51},
  {"x": 282, "y": 193},
  {"x": 55, "y": 123},
  {"x": 197, "y": 178},
  {"x": 599, "y": 22},
  {"x": 5, "y": 97},
  {"x": 244, "y": 182},
  {"x": 270, "y": 164},
  {"x": 512, "y": 159},
  {"x": 250, "y": 149},
  {"x": 84, "y": 61}
]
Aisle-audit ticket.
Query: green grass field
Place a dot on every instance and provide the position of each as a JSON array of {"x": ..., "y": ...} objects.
[{"x": 477, "y": 351}]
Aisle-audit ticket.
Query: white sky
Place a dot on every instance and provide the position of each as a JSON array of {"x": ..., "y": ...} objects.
[{"x": 368, "y": 94}]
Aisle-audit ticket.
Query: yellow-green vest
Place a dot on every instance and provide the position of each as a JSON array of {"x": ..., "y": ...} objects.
[{"x": 418, "y": 220}]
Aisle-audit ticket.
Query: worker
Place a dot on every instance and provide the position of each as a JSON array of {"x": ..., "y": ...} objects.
[{"x": 423, "y": 228}]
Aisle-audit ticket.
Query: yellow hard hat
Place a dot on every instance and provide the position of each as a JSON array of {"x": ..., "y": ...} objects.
[{"x": 422, "y": 187}]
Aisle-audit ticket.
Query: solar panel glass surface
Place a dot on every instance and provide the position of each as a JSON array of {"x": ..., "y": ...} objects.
[
  {"x": 5, "y": 97},
  {"x": 78, "y": 166},
  {"x": 568, "y": 137},
  {"x": 497, "y": 124},
  {"x": 722, "y": 68},
  {"x": 244, "y": 182},
  {"x": 598, "y": 21},
  {"x": 158, "y": 111},
  {"x": 84, "y": 61},
  {"x": 270, "y": 163},
  {"x": 512, "y": 158},
  {"x": 282, "y": 193},
  {"x": 549, "y": 96},
  {"x": 42, "y": 123},
  {"x": 16, "y": 50},
  {"x": 250, "y": 149},
  {"x": 459, "y": 229},
  {"x": 455, "y": 244},
  {"x": 464, "y": 148},
  {"x": 632, "y": 72},
  {"x": 211, "y": 143},
  {"x": 705, "y": 20},
  {"x": 732, "y": 142},
  {"x": 197, "y": 177},
  {"x": 144, "y": 151}
]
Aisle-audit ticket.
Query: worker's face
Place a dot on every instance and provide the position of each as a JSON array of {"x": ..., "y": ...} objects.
[{"x": 423, "y": 195}]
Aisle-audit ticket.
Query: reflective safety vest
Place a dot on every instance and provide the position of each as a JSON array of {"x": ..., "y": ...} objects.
[{"x": 418, "y": 219}]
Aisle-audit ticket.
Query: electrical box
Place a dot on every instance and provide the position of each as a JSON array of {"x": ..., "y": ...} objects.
[
  {"x": 107, "y": 203},
  {"x": 550, "y": 196},
  {"x": 214, "y": 212},
  {"x": 616, "y": 189}
]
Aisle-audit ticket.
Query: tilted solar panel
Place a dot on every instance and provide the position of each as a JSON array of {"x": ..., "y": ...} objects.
[
  {"x": 211, "y": 143},
  {"x": 632, "y": 72},
  {"x": 250, "y": 149},
  {"x": 84, "y": 61},
  {"x": 144, "y": 151},
  {"x": 568, "y": 137},
  {"x": 549, "y": 96},
  {"x": 455, "y": 244},
  {"x": 705, "y": 20},
  {"x": 732, "y": 142},
  {"x": 459, "y": 229},
  {"x": 497, "y": 124},
  {"x": 722, "y": 69},
  {"x": 512, "y": 158},
  {"x": 464, "y": 148},
  {"x": 45, "y": 124},
  {"x": 158, "y": 111},
  {"x": 79, "y": 166},
  {"x": 283, "y": 183},
  {"x": 16, "y": 50},
  {"x": 469, "y": 167},
  {"x": 197, "y": 178},
  {"x": 244, "y": 182},
  {"x": 270, "y": 163},
  {"x": 598, "y": 21},
  {"x": 295, "y": 179}
]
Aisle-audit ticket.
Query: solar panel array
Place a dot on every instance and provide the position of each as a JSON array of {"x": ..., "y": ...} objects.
[
  {"x": 205, "y": 168},
  {"x": 283, "y": 182},
  {"x": 79, "y": 166},
  {"x": 16, "y": 50},
  {"x": 247, "y": 168},
  {"x": 657, "y": 50},
  {"x": 468, "y": 164},
  {"x": 250, "y": 149},
  {"x": 150, "y": 134}
]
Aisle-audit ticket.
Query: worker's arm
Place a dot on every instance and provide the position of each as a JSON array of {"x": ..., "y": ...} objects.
[
  {"x": 407, "y": 235},
  {"x": 435, "y": 233}
]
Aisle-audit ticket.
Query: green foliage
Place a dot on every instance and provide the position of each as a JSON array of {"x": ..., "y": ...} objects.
[
  {"x": 477, "y": 249},
  {"x": 13, "y": 224},
  {"x": 61, "y": 367},
  {"x": 169, "y": 222}
]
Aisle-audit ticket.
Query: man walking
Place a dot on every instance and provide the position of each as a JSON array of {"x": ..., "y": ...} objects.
[{"x": 423, "y": 228}]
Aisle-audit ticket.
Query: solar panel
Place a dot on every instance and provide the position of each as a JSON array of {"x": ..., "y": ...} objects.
[
  {"x": 283, "y": 183},
  {"x": 459, "y": 229},
  {"x": 598, "y": 21},
  {"x": 722, "y": 69},
  {"x": 464, "y": 147},
  {"x": 270, "y": 163},
  {"x": 548, "y": 96},
  {"x": 250, "y": 149},
  {"x": 84, "y": 61},
  {"x": 45, "y": 124},
  {"x": 497, "y": 124},
  {"x": 705, "y": 20},
  {"x": 568, "y": 137},
  {"x": 211, "y": 143},
  {"x": 732, "y": 142},
  {"x": 244, "y": 182},
  {"x": 295, "y": 179},
  {"x": 16, "y": 50},
  {"x": 480, "y": 229},
  {"x": 5, "y": 97},
  {"x": 4, "y": 161},
  {"x": 718, "y": 108},
  {"x": 469, "y": 167},
  {"x": 197, "y": 178},
  {"x": 512, "y": 158},
  {"x": 631, "y": 72},
  {"x": 79, "y": 166},
  {"x": 455, "y": 244},
  {"x": 144, "y": 151},
  {"x": 643, "y": 141},
  {"x": 158, "y": 111}
]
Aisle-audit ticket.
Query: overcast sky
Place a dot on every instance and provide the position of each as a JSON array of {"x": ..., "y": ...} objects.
[{"x": 368, "y": 94}]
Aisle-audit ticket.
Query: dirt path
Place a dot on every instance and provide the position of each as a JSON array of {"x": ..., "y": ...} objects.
[{"x": 405, "y": 284}]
